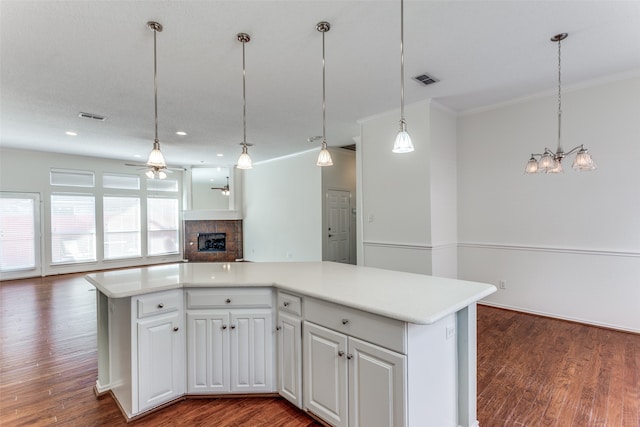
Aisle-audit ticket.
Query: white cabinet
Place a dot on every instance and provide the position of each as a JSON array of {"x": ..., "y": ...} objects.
[
  {"x": 208, "y": 369},
  {"x": 376, "y": 385},
  {"x": 160, "y": 359},
  {"x": 229, "y": 350},
  {"x": 289, "y": 342},
  {"x": 325, "y": 374},
  {"x": 349, "y": 381},
  {"x": 147, "y": 350}
]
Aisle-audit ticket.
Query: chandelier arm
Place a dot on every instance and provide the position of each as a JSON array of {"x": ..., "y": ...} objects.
[{"x": 573, "y": 150}]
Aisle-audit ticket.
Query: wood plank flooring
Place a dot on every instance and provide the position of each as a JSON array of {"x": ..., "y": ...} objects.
[
  {"x": 532, "y": 371},
  {"x": 537, "y": 371}
]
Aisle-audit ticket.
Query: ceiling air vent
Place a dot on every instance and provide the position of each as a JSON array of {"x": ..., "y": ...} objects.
[
  {"x": 92, "y": 116},
  {"x": 426, "y": 79}
]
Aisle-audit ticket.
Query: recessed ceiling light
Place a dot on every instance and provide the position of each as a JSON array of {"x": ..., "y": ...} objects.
[
  {"x": 71, "y": 133},
  {"x": 181, "y": 133},
  {"x": 137, "y": 156},
  {"x": 220, "y": 155}
]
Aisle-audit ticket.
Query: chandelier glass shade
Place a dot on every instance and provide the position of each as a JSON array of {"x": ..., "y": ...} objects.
[{"x": 549, "y": 161}]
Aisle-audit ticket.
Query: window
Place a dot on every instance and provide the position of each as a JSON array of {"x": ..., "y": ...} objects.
[
  {"x": 169, "y": 185},
  {"x": 73, "y": 228},
  {"x": 17, "y": 233},
  {"x": 162, "y": 226},
  {"x": 121, "y": 181},
  {"x": 121, "y": 227},
  {"x": 72, "y": 178}
]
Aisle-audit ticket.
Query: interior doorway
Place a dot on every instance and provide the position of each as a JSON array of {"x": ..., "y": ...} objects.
[{"x": 338, "y": 230}]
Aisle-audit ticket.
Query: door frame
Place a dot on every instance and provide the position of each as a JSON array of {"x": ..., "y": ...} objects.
[{"x": 38, "y": 225}]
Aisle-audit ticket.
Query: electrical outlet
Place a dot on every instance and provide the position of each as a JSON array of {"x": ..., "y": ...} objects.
[{"x": 502, "y": 284}]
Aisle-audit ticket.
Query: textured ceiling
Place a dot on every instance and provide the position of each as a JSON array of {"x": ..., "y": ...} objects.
[{"x": 59, "y": 58}]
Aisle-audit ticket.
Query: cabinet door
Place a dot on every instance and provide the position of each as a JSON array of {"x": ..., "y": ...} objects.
[
  {"x": 290, "y": 358},
  {"x": 160, "y": 359},
  {"x": 376, "y": 385},
  {"x": 325, "y": 374},
  {"x": 251, "y": 350},
  {"x": 208, "y": 369}
]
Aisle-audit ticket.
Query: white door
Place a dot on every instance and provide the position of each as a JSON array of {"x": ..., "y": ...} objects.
[
  {"x": 290, "y": 358},
  {"x": 208, "y": 369},
  {"x": 376, "y": 386},
  {"x": 325, "y": 374},
  {"x": 160, "y": 359},
  {"x": 251, "y": 351},
  {"x": 20, "y": 240},
  {"x": 338, "y": 225}
]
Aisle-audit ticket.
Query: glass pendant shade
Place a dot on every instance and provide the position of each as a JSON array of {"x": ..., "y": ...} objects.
[
  {"x": 532, "y": 166},
  {"x": 557, "y": 167},
  {"x": 150, "y": 174},
  {"x": 244, "y": 162},
  {"x": 546, "y": 162},
  {"x": 324, "y": 157},
  {"x": 583, "y": 161},
  {"x": 403, "y": 142},
  {"x": 156, "y": 159}
]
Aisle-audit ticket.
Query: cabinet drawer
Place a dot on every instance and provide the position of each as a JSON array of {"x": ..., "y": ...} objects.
[
  {"x": 380, "y": 330},
  {"x": 289, "y": 303},
  {"x": 158, "y": 303},
  {"x": 224, "y": 297}
]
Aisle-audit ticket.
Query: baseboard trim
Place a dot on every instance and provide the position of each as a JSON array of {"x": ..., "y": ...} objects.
[{"x": 617, "y": 328}]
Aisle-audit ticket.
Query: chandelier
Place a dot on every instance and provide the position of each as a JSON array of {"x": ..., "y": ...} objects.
[{"x": 548, "y": 161}]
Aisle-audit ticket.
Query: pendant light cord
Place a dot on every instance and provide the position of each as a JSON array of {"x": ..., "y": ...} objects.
[
  {"x": 324, "y": 117},
  {"x": 155, "y": 81},
  {"x": 559, "y": 98},
  {"x": 401, "y": 60},
  {"x": 244, "y": 99}
]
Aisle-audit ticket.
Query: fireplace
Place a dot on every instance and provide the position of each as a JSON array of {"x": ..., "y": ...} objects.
[{"x": 212, "y": 242}]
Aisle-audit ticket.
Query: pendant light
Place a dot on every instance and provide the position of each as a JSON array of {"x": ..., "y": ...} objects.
[
  {"x": 324, "y": 157},
  {"x": 551, "y": 162},
  {"x": 244, "y": 162},
  {"x": 156, "y": 159},
  {"x": 403, "y": 142}
]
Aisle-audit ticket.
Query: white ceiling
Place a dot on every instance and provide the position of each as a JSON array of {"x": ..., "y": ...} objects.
[{"x": 59, "y": 58}]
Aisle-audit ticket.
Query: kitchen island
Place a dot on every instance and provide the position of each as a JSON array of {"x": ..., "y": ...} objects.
[{"x": 351, "y": 345}]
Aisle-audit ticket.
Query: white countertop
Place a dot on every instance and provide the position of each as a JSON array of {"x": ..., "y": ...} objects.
[{"x": 409, "y": 297}]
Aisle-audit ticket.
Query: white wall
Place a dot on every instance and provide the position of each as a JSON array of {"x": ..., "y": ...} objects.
[
  {"x": 28, "y": 171},
  {"x": 567, "y": 245},
  {"x": 408, "y": 200},
  {"x": 444, "y": 201},
  {"x": 283, "y": 210},
  {"x": 340, "y": 176}
]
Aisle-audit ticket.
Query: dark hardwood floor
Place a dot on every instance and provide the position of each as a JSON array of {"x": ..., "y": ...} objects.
[{"x": 532, "y": 371}]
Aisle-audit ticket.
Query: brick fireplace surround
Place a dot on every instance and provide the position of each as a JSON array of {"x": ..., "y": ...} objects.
[{"x": 233, "y": 231}]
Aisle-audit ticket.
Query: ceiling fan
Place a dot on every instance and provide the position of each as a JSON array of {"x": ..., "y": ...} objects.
[
  {"x": 225, "y": 189},
  {"x": 156, "y": 172}
]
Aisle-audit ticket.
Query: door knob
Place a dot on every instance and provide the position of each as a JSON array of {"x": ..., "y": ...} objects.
[
  {"x": 175, "y": 329},
  {"x": 340, "y": 353}
]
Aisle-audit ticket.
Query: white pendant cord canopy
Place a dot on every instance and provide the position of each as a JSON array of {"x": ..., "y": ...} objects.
[
  {"x": 549, "y": 161},
  {"x": 403, "y": 142},
  {"x": 156, "y": 159},
  {"x": 324, "y": 157},
  {"x": 244, "y": 162}
]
